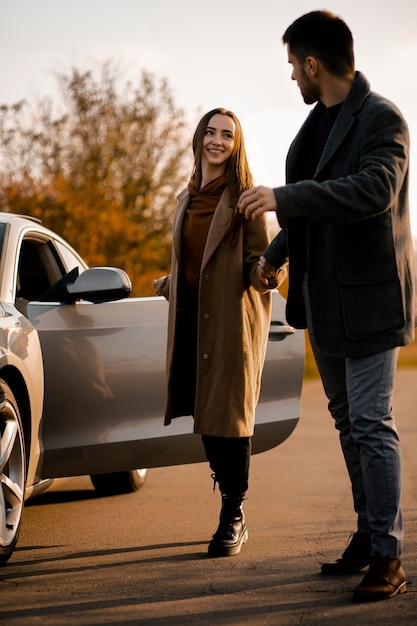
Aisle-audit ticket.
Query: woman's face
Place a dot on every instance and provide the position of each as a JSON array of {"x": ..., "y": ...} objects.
[{"x": 218, "y": 142}]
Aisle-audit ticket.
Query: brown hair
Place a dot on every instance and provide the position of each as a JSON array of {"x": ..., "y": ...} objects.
[{"x": 238, "y": 174}]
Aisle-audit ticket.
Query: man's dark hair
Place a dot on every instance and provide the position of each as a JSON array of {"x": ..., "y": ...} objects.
[{"x": 325, "y": 36}]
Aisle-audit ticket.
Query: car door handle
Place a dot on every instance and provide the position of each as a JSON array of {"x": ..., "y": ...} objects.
[{"x": 279, "y": 331}]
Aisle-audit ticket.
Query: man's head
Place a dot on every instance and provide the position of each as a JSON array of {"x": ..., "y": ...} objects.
[{"x": 326, "y": 37}]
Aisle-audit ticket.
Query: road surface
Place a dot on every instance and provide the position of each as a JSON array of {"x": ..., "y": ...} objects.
[{"x": 141, "y": 558}]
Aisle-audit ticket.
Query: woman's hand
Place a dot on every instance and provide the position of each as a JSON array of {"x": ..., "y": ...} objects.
[{"x": 267, "y": 273}]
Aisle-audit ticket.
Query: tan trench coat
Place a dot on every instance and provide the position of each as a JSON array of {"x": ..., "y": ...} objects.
[{"x": 233, "y": 323}]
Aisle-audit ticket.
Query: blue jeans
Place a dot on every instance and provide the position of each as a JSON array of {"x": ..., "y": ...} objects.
[{"x": 360, "y": 392}]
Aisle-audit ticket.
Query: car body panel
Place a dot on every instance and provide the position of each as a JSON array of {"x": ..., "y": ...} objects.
[
  {"x": 21, "y": 362},
  {"x": 105, "y": 387}
]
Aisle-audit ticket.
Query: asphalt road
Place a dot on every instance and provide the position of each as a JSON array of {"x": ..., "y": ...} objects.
[{"x": 141, "y": 558}]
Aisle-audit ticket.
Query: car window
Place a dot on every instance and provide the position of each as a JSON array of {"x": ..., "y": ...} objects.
[
  {"x": 3, "y": 229},
  {"x": 2, "y": 234},
  {"x": 39, "y": 267},
  {"x": 69, "y": 258},
  {"x": 42, "y": 262}
]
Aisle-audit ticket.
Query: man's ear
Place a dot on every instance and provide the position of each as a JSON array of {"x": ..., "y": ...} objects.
[{"x": 311, "y": 65}]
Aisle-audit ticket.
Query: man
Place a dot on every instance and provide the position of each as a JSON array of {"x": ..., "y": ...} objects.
[{"x": 346, "y": 234}]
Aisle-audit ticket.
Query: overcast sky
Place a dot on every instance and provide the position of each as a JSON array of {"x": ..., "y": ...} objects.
[{"x": 213, "y": 53}]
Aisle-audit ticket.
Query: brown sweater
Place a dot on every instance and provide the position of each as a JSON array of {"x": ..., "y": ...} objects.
[{"x": 197, "y": 220}]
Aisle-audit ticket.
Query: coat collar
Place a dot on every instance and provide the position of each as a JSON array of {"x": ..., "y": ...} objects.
[
  {"x": 359, "y": 92},
  {"x": 346, "y": 118}
]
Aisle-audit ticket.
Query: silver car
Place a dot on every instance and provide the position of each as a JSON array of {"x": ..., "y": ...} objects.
[{"x": 82, "y": 376}]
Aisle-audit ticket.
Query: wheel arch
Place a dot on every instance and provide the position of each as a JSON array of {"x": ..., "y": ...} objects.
[{"x": 17, "y": 384}]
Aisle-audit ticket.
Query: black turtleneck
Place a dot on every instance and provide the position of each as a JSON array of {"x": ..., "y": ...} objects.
[{"x": 319, "y": 135}]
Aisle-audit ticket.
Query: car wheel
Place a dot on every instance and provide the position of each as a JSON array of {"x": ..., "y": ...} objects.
[
  {"x": 12, "y": 471},
  {"x": 119, "y": 482}
]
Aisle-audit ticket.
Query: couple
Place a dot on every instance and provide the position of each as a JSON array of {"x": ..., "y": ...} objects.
[{"x": 345, "y": 237}]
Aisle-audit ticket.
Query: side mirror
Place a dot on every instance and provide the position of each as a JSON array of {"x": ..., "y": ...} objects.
[
  {"x": 100, "y": 284},
  {"x": 97, "y": 284}
]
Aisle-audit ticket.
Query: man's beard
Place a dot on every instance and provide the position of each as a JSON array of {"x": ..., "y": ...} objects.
[
  {"x": 309, "y": 91},
  {"x": 309, "y": 99}
]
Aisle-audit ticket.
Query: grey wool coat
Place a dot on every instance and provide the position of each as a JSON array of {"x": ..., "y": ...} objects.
[
  {"x": 354, "y": 215},
  {"x": 233, "y": 322}
]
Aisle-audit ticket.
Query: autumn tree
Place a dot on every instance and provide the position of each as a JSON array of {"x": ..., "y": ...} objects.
[{"x": 101, "y": 168}]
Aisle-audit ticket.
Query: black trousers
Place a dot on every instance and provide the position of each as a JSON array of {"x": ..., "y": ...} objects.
[
  {"x": 183, "y": 384},
  {"x": 229, "y": 459}
]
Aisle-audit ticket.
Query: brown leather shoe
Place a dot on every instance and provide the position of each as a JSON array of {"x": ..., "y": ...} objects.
[
  {"x": 356, "y": 556},
  {"x": 384, "y": 579}
]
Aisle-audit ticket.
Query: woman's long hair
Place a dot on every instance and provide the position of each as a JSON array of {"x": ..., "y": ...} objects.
[{"x": 238, "y": 174}]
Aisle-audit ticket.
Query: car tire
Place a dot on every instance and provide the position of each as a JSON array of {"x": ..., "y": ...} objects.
[
  {"x": 12, "y": 471},
  {"x": 118, "y": 483}
]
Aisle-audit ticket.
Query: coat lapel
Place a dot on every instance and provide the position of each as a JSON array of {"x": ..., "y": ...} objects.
[
  {"x": 220, "y": 224},
  {"x": 345, "y": 120},
  {"x": 183, "y": 199},
  {"x": 341, "y": 128}
]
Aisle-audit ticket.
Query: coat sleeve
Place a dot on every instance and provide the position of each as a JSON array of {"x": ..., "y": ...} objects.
[
  {"x": 277, "y": 252},
  {"x": 365, "y": 179},
  {"x": 162, "y": 286},
  {"x": 255, "y": 240}
]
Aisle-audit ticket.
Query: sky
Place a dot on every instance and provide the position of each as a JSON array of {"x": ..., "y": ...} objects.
[{"x": 214, "y": 53}]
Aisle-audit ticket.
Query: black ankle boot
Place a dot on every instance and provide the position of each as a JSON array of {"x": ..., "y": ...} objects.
[
  {"x": 356, "y": 556},
  {"x": 231, "y": 532}
]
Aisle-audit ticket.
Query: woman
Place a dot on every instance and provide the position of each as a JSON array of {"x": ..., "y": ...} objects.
[{"x": 219, "y": 313}]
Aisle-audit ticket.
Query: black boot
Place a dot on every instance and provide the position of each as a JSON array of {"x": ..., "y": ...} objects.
[
  {"x": 356, "y": 556},
  {"x": 231, "y": 532}
]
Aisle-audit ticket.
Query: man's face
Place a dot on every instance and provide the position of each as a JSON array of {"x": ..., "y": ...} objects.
[{"x": 309, "y": 89}]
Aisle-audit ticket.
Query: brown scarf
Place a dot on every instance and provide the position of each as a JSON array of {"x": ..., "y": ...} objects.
[{"x": 197, "y": 221}]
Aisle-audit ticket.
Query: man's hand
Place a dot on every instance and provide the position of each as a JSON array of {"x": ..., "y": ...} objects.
[
  {"x": 253, "y": 202},
  {"x": 266, "y": 272}
]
